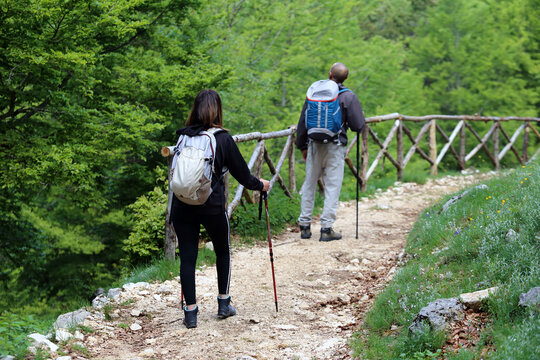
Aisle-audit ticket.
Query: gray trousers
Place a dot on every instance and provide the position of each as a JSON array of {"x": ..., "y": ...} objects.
[{"x": 326, "y": 160}]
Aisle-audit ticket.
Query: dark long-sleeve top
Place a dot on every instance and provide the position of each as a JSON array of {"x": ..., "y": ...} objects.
[
  {"x": 352, "y": 116},
  {"x": 228, "y": 157}
]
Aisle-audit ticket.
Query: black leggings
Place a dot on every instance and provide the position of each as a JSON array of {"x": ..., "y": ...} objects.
[{"x": 187, "y": 229}]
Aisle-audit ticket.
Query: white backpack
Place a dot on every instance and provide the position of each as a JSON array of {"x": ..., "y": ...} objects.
[{"x": 193, "y": 166}]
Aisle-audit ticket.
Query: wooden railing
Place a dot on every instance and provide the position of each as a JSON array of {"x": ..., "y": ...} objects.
[{"x": 431, "y": 126}]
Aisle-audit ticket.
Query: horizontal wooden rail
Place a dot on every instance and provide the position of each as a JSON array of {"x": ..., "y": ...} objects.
[{"x": 398, "y": 116}]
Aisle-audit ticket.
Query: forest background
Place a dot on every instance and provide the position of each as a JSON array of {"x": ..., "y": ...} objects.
[{"x": 90, "y": 91}]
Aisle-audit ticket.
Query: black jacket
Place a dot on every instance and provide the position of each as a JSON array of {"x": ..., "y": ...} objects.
[
  {"x": 228, "y": 158},
  {"x": 352, "y": 116}
]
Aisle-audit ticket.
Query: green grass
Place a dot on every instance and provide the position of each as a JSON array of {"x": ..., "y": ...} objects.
[
  {"x": 164, "y": 269},
  {"x": 462, "y": 250}
]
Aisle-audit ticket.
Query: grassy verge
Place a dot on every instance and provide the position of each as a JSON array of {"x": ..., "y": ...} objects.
[{"x": 465, "y": 249}]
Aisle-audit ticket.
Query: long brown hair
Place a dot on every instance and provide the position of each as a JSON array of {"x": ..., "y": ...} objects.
[{"x": 206, "y": 110}]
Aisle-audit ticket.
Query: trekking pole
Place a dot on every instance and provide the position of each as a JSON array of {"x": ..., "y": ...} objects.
[
  {"x": 357, "y": 175},
  {"x": 264, "y": 195}
]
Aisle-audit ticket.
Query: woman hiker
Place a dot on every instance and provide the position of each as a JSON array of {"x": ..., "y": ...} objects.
[{"x": 187, "y": 219}]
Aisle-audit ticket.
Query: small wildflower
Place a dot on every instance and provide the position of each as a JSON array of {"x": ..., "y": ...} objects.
[
  {"x": 431, "y": 269},
  {"x": 498, "y": 211},
  {"x": 525, "y": 179},
  {"x": 456, "y": 233},
  {"x": 522, "y": 182},
  {"x": 398, "y": 290}
]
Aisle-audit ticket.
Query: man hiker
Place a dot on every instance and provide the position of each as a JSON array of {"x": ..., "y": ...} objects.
[{"x": 326, "y": 158}]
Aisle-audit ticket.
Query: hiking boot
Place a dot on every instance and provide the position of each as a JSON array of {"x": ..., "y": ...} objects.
[
  {"x": 190, "y": 317},
  {"x": 328, "y": 234},
  {"x": 305, "y": 231},
  {"x": 225, "y": 309}
]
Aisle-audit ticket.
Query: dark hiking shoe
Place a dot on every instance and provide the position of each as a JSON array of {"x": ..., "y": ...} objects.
[
  {"x": 225, "y": 309},
  {"x": 190, "y": 317},
  {"x": 305, "y": 231},
  {"x": 328, "y": 234}
]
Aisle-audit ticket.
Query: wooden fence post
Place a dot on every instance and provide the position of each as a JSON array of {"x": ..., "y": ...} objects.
[
  {"x": 525, "y": 155},
  {"x": 400, "y": 151},
  {"x": 433, "y": 146},
  {"x": 496, "y": 146},
  {"x": 292, "y": 164},
  {"x": 462, "y": 150},
  {"x": 257, "y": 172},
  {"x": 169, "y": 246}
]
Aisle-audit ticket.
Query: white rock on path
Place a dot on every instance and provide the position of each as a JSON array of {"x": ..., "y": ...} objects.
[
  {"x": 62, "y": 335},
  {"x": 328, "y": 344},
  {"x": 285, "y": 327},
  {"x": 41, "y": 340},
  {"x": 70, "y": 319},
  {"x": 131, "y": 286},
  {"x": 149, "y": 352},
  {"x": 474, "y": 300}
]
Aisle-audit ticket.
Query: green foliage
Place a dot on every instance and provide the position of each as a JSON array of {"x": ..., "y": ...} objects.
[
  {"x": 156, "y": 270},
  {"x": 464, "y": 249},
  {"x": 463, "y": 60},
  {"x": 282, "y": 211},
  {"x": 518, "y": 342},
  {"x": 278, "y": 52},
  {"x": 426, "y": 345},
  {"x": 89, "y": 90},
  {"x": 146, "y": 238},
  {"x": 14, "y": 330}
]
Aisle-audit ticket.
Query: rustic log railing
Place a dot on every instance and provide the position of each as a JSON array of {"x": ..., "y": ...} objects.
[{"x": 431, "y": 127}]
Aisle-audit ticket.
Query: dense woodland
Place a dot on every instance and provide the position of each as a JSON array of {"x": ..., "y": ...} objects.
[{"x": 90, "y": 90}]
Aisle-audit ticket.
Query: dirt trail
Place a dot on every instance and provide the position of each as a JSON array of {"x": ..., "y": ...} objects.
[{"x": 324, "y": 290}]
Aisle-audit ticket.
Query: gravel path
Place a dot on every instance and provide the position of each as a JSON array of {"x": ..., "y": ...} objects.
[{"x": 324, "y": 290}]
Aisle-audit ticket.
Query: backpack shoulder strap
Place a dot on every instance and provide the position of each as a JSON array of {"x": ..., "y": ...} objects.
[
  {"x": 343, "y": 90},
  {"x": 215, "y": 130}
]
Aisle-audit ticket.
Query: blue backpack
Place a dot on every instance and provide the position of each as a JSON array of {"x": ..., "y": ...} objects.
[{"x": 323, "y": 114}]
